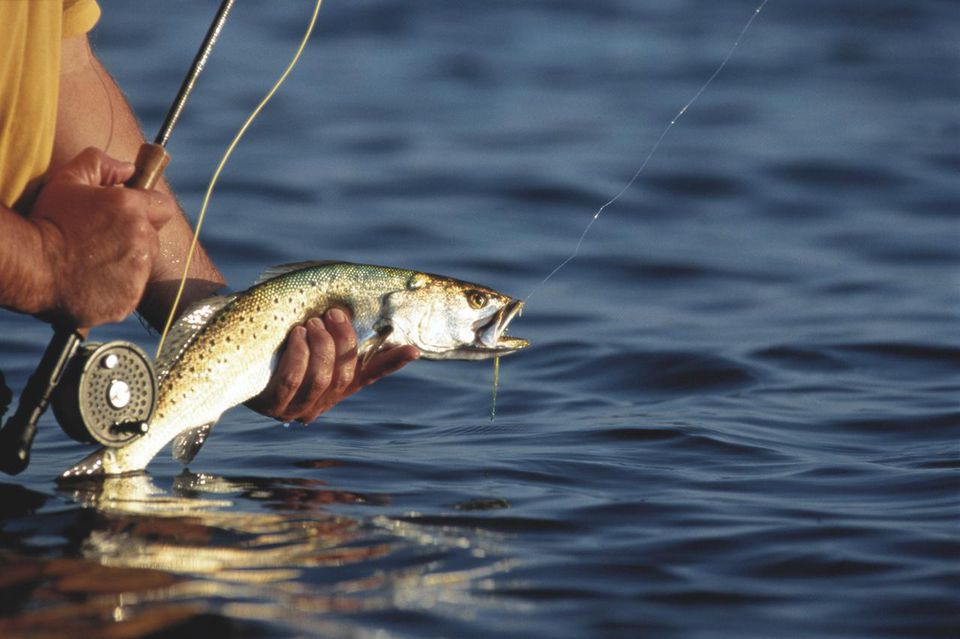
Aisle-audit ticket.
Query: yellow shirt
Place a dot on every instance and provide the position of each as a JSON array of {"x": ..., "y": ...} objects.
[{"x": 30, "y": 35}]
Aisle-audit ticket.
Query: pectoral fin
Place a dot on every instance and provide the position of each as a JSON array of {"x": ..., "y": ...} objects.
[
  {"x": 187, "y": 444},
  {"x": 185, "y": 329},
  {"x": 383, "y": 334}
]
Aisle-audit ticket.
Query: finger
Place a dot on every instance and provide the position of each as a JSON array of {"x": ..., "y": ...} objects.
[
  {"x": 286, "y": 380},
  {"x": 345, "y": 341},
  {"x": 114, "y": 171},
  {"x": 309, "y": 401},
  {"x": 386, "y": 362},
  {"x": 93, "y": 167}
]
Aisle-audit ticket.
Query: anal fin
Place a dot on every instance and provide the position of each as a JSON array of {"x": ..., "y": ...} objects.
[{"x": 187, "y": 444}]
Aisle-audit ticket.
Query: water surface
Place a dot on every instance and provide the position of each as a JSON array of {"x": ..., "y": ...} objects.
[{"x": 739, "y": 416}]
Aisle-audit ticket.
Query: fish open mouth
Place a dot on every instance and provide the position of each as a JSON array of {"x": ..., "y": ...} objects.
[{"x": 492, "y": 340}]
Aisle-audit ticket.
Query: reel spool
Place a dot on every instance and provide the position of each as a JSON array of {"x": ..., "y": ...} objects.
[{"x": 107, "y": 394}]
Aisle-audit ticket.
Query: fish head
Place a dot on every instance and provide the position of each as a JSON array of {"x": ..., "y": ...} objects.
[{"x": 450, "y": 319}]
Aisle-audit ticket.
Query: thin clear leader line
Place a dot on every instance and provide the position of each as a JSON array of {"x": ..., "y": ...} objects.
[
  {"x": 653, "y": 149},
  {"x": 223, "y": 162}
]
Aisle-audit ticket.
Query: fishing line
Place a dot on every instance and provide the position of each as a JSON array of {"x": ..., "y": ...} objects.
[
  {"x": 223, "y": 161},
  {"x": 653, "y": 150},
  {"x": 630, "y": 183},
  {"x": 496, "y": 384}
]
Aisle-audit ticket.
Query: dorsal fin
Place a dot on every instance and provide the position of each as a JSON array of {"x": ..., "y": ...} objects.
[
  {"x": 283, "y": 269},
  {"x": 186, "y": 328},
  {"x": 187, "y": 444}
]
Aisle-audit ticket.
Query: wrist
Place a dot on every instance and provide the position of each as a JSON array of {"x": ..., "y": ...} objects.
[
  {"x": 48, "y": 246},
  {"x": 28, "y": 282}
]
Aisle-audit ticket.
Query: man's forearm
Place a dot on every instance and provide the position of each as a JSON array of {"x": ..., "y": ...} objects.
[
  {"x": 25, "y": 280},
  {"x": 93, "y": 112}
]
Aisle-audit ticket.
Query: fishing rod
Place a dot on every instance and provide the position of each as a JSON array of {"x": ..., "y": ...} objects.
[{"x": 101, "y": 392}]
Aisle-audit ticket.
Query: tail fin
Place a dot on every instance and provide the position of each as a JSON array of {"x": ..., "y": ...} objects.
[{"x": 90, "y": 466}]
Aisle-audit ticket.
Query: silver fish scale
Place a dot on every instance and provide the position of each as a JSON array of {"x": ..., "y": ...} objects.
[{"x": 249, "y": 329}]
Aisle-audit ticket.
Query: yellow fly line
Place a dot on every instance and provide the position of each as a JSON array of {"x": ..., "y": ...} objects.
[{"x": 223, "y": 162}]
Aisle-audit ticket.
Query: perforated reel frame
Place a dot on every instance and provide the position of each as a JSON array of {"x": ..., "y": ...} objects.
[{"x": 107, "y": 394}]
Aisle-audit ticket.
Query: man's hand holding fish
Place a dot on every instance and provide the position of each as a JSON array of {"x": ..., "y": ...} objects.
[{"x": 324, "y": 351}]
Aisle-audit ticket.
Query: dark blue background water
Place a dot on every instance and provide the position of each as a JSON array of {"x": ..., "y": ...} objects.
[{"x": 739, "y": 416}]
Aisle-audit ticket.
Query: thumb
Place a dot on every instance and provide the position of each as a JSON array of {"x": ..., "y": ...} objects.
[{"x": 93, "y": 167}]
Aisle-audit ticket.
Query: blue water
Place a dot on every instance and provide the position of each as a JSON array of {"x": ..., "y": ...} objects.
[{"x": 739, "y": 416}]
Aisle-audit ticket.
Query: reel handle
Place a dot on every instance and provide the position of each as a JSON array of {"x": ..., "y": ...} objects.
[{"x": 17, "y": 435}]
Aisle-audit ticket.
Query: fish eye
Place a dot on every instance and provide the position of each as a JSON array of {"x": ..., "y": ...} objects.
[{"x": 476, "y": 299}]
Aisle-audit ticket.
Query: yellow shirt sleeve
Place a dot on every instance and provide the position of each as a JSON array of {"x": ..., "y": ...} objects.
[
  {"x": 79, "y": 16},
  {"x": 30, "y": 35}
]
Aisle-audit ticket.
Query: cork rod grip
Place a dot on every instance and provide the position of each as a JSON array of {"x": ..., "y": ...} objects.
[{"x": 152, "y": 159}]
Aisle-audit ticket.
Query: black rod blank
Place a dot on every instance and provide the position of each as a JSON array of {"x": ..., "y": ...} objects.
[{"x": 198, "y": 63}]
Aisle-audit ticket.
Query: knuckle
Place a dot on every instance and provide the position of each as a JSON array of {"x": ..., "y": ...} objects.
[
  {"x": 138, "y": 259},
  {"x": 326, "y": 361},
  {"x": 164, "y": 203},
  {"x": 323, "y": 354},
  {"x": 287, "y": 385},
  {"x": 89, "y": 154},
  {"x": 343, "y": 381},
  {"x": 321, "y": 381},
  {"x": 142, "y": 232},
  {"x": 347, "y": 348}
]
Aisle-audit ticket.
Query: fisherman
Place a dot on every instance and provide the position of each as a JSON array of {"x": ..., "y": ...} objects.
[{"x": 77, "y": 245}]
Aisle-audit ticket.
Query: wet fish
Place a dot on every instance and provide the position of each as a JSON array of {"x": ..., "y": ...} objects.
[{"x": 222, "y": 351}]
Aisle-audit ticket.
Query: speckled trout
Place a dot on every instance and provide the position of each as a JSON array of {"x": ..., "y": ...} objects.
[{"x": 222, "y": 351}]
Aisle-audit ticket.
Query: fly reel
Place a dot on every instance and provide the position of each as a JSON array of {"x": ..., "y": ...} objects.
[
  {"x": 107, "y": 394},
  {"x": 102, "y": 393}
]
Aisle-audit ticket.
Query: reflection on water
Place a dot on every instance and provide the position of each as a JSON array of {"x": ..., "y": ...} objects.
[{"x": 212, "y": 548}]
